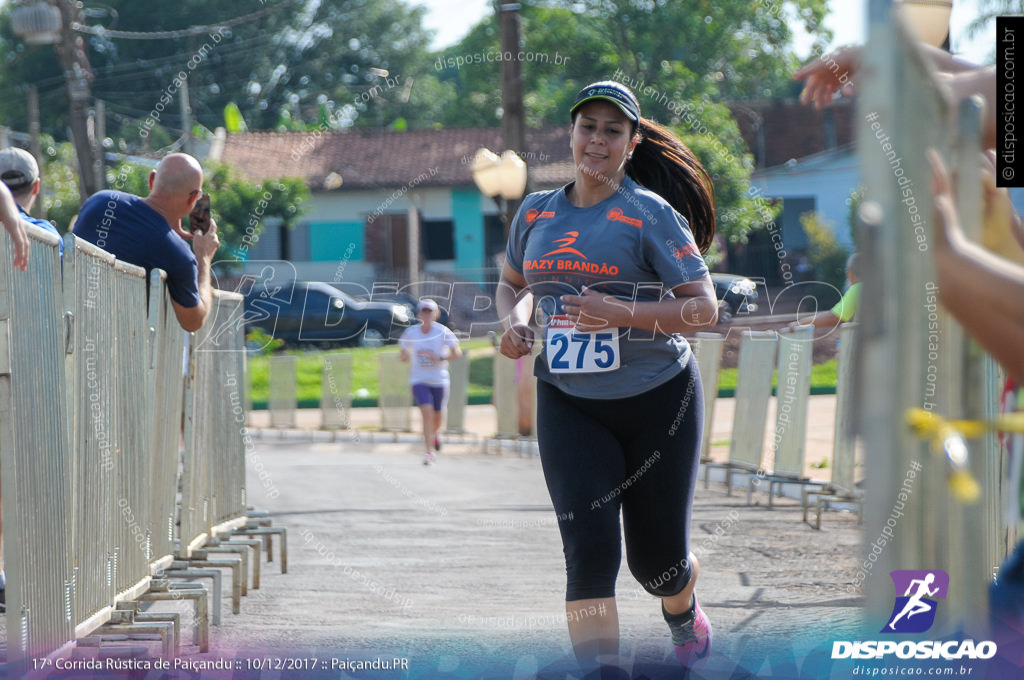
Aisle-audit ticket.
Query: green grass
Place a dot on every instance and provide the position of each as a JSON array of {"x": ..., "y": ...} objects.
[
  {"x": 481, "y": 369},
  {"x": 364, "y": 373},
  {"x": 823, "y": 378}
]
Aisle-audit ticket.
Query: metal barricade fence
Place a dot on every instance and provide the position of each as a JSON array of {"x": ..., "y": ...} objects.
[
  {"x": 194, "y": 507},
  {"x": 515, "y": 401},
  {"x": 903, "y": 112},
  {"x": 213, "y": 497},
  {"x": 34, "y": 450},
  {"x": 841, "y": 488},
  {"x": 336, "y": 390},
  {"x": 708, "y": 350},
  {"x": 753, "y": 390},
  {"x": 248, "y": 390},
  {"x": 785, "y": 459},
  {"x": 792, "y": 395},
  {"x": 89, "y": 352},
  {"x": 91, "y": 392},
  {"x": 222, "y": 342},
  {"x": 122, "y": 507},
  {"x": 167, "y": 356},
  {"x": 395, "y": 394},
  {"x": 843, "y": 449},
  {"x": 133, "y": 426},
  {"x": 506, "y": 399},
  {"x": 91, "y": 355},
  {"x": 283, "y": 381},
  {"x": 458, "y": 397}
]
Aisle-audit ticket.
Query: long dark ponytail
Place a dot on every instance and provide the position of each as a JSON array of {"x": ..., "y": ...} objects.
[{"x": 666, "y": 166}]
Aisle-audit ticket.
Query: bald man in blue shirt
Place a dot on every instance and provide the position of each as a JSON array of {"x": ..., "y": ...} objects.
[{"x": 147, "y": 232}]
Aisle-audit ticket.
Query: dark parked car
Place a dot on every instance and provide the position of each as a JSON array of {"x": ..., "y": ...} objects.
[
  {"x": 300, "y": 312},
  {"x": 409, "y": 302},
  {"x": 736, "y": 295}
]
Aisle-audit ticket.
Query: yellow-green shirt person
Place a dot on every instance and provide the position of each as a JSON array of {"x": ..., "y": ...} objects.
[{"x": 846, "y": 308}]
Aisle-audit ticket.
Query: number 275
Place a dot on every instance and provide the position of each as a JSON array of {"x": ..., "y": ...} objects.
[{"x": 582, "y": 340}]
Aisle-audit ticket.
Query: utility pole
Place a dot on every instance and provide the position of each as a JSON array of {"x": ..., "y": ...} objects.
[
  {"x": 186, "y": 105},
  {"x": 186, "y": 117},
  {"x": 413, "y": 229},
  {"x": 36, "y": 147},
  {"x": 513, "y": 119},
  {"x": 99, "y": 133},
  {"x": 77, "y": 83}
]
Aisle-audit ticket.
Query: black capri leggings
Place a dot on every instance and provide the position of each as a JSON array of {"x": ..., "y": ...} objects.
[{"x": 640, "y": 453}]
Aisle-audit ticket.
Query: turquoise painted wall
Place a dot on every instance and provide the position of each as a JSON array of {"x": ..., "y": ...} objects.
[
  {"x": 330, "y": 241},
  {"x": 469, "y": 229}
]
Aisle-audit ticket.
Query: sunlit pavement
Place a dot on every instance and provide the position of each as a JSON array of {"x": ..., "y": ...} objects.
[{"x": 460, "y": 564}]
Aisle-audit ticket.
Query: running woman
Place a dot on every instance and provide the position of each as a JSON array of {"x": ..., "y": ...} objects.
[
  {"x": 610, "y": 267},
  {"x": 429, "y": 345}
]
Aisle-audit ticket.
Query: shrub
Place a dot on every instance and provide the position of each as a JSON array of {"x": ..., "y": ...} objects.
[{"x": 824, "y": 252}]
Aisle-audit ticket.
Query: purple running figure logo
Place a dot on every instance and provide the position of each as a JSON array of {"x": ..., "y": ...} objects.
[{"x": 914, "y": 610}]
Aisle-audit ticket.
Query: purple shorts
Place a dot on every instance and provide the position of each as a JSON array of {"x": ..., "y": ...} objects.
[{"x": 430, "y": 394}]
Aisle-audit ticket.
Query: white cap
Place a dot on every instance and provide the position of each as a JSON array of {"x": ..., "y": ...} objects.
[{"x": 426, "y": 304}]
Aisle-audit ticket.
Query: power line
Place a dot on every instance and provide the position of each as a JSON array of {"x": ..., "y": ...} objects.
[
  {"x": 184, "y": 33},
  {"x": 240, "y": 44},
  {"x": 121, "y": 72}
]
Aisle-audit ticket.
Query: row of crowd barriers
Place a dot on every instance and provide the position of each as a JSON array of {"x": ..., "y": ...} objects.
[
  {"x": 395, "y": 397},
  {"x": 94, "y": 399},
  {"x": 782, "y": 464},
  {"x": 788, "y": 355}
]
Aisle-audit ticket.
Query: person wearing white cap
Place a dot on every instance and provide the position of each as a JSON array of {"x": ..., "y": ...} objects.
[
  {"x": 20, "y": 172},
  {"x": 429, "y": 346}
]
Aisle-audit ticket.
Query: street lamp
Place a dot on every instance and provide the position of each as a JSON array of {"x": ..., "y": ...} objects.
[
  {"x": 42, "y": 23},
  {"x": 503, "y": 178},
  {"x": 930, "y": 19},
  {"x": 38, "y": 24}
]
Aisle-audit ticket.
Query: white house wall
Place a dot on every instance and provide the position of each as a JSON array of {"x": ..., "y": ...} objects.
[
  {"x": 828, "y": 183},
  {"x": 434, "y": 203}
]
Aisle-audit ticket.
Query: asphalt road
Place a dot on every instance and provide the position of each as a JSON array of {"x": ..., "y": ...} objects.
[{"x": 458, "y": 568}]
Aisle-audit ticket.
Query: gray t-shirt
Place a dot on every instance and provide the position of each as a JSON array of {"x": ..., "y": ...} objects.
[{"x": 632, "y": 245}]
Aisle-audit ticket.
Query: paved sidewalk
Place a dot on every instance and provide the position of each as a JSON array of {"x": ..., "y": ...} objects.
[
  {"x": 458, "y": 567},
  {"x": 481, "y": 420}
]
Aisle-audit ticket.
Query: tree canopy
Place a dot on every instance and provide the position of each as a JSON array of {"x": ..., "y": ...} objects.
[
  {"x": 334, "y": 64},
  {"x": 299, "y": 63},
  {"x": 307, "y": 56},
  {"x": 684, "y": 61}
]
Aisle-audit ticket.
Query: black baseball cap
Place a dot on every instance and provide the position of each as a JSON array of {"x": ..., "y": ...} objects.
[{"x": 609, "y": 91}]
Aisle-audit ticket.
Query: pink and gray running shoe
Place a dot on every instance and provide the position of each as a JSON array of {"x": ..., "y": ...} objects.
[{"x": 692, "y": 640}]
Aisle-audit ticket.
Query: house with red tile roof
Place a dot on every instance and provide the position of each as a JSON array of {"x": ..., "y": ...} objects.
[{"x": 368, "y": 186}]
